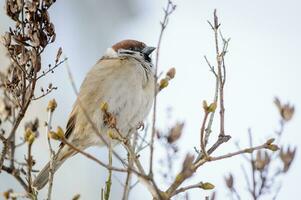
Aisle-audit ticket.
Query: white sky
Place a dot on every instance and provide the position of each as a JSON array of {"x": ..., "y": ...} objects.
[{"x": 263, "y": 62}]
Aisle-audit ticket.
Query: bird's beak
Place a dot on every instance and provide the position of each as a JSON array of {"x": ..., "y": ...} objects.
[{"x": 148, "y": 50}]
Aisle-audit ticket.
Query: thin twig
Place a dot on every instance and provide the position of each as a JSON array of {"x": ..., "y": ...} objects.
[
  {"x": 51, "y": 68},
  {"x": 4, "y": 150},
  {"x": 184, "y": 189},
  {"x": 44, "y": 94},
  {"x": 246, "y": 177},
  {"x": 170, "y": 7},
  {"x": 220, "y": 82},
  {"x": 16, "y": 174},
  {"x": 234, "y": 191},
  {"x": 202, "y": 139},
  {"x": 107, "y": 189},
  {"x": 127, "y": 186},
  {"x": 29, "y": 168},
  {"x": 92, "y": 157},
  {"x": 181, "y": 177},
  {"x": 219, "y": 59},
  {"x": 247, "y": 150},
  {"x": 210, "y": 122},
  {"x": 51, "y": 155},
  {"x": 253, "y": 170}
]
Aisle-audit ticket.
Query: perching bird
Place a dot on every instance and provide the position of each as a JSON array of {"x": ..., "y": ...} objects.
[{"x": 124, "y": 79}]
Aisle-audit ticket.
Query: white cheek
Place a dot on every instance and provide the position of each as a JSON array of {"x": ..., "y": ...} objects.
[{"x": 110, "y": 53}]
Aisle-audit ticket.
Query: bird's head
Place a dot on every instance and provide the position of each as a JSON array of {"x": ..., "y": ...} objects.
[{"x": 131, "y": 48}]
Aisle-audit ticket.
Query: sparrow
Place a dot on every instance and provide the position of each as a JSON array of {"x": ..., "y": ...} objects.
[{"x": 124, "y": 79}]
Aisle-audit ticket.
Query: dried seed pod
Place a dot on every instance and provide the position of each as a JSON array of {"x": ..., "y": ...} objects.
[
  {"x": 6, "y": 39},
  {"x": 35, "y": 39},
  {"x": 31, "y": 6},
  {"x": 17, "y": 49},
  {"x": 50, "y": 29},
  {"x": 24, "y": 57},
  {"x": 187, "y": 166},
  {"x": 262, "y": 160},
  {"x": 286, "y": 110},
  {"x": 43, "y": 39},
  {"x": 58, "y": 55},
  {"x": 175, "y": 132},
  {"x": 229, "y": 181},
  {"x": 287, "y": 157},
  {"x": 5, "y": 109}
]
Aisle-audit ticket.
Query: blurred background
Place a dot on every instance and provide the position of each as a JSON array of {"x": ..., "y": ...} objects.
[{"x": 263, "y": 62}]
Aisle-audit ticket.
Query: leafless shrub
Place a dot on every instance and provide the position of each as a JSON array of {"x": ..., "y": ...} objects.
[
  {"x": 25, "y": 43},
  {"x": 263, "y": 178},
  {"x": 32, "y": 33}
]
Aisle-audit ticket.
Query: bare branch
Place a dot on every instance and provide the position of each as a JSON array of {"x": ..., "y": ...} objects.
[{"x": 170, "y": 8}]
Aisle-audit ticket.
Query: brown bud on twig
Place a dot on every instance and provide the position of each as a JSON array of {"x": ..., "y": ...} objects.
[
  {"x": 163, "y": 83},
  {"x": 57, "y": 135},
  {"x": 29, "y": 136},
  {"x": 171, "y": 73},
  {"x": 270, "y": 141},
  {"x": 206, "y": 186},
  {"x": 210, "y": 108},
  {"x": 272, "y": 147},
  {"x": 51, "y": 105}
]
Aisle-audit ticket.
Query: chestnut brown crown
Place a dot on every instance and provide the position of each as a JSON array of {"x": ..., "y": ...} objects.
[{"x": 132, "y": 45}]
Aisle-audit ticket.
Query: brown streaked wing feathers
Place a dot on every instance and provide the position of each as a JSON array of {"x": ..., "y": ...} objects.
[{"x": 70, "y": 126}]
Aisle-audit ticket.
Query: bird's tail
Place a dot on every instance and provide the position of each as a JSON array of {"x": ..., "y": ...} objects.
[{"x": 61, "y": 156}]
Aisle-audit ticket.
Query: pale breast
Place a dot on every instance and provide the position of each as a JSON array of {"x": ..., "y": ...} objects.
[{"x": 122, "y": 84}]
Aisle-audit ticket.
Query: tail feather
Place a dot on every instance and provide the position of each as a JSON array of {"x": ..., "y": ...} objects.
[{"x": 42, "y": 178}]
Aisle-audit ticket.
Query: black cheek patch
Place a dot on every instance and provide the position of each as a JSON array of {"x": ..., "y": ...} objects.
[{"x": 147, "y": 58}]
